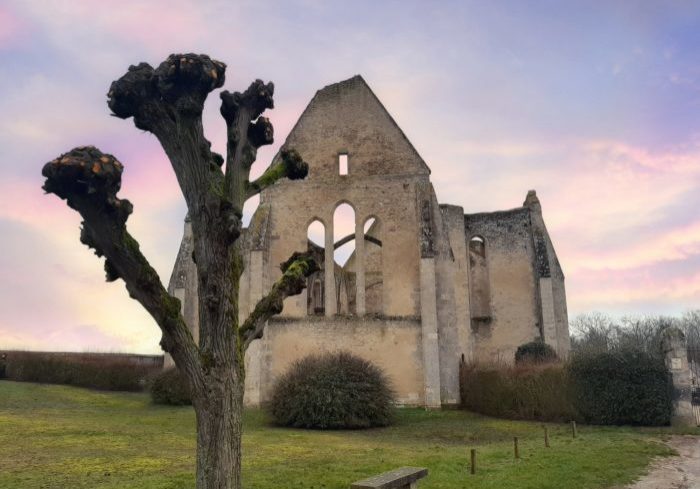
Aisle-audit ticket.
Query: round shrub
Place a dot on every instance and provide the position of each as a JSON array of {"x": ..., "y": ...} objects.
[
  {"x": 332, "y": 391},
  {"x": 535, "y": 352},
  {"x": 622, "y": 387},
  {"x": 170, "y": 387}
]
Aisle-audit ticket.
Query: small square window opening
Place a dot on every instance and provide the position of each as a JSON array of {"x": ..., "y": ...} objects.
[{"x": 343, "y": 163}]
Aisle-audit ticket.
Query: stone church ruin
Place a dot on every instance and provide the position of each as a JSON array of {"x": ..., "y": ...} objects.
[{"x": 425, "y": 284}]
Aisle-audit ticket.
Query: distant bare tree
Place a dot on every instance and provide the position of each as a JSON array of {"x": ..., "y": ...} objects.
[
  {"x": 168, "y": 101},
  {"x": 642, "y": 332},
  {"x": 597, "y": 332},
  {"x": 592, "y": 332},
  {"x": 690, "y": 324}
]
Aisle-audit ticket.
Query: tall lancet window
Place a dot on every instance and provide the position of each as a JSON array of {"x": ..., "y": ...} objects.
[
  {"x": 315, "y": 235},
  {"x": 479, "y": 287},
  {"x": 344, "y": 257}
]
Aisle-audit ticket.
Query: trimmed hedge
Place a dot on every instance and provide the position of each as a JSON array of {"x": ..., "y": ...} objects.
[
  {"x": 535, "y": 352},
  {"x": 534, "y": 392},
  {"x": 3, "y": 363},
  {"x": 612, "y": 388},
  {"x": 332, "y": 391},
  {"x": 622, "y": 387},
  {"x": 97, "y": 371},
  {"x": 170, "y": 387}
]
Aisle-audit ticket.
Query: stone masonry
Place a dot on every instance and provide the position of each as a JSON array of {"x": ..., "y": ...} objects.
[
  {"x": 676, "y": 357},
  {"x": 426, "y": 285}
]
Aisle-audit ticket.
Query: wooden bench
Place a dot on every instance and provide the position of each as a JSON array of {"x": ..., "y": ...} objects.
[{"x": 403, "y": 478}]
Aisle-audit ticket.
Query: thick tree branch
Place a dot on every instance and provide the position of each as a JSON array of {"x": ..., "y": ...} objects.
[
  {"x": 89, "y": 181},
  {"x": 293, "y": 281},
  {"x": 246, "y": 132},
  {"x": 290, "y": 166},
  {"x": 168, "y": 102}
]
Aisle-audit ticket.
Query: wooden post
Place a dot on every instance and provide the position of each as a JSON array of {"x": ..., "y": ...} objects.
[
  {"x": 515, "y": 447},
  {"x": 473, "y": 457},
  {"x": 573, "y": 429},
  {"x": 546, "y": 437}
]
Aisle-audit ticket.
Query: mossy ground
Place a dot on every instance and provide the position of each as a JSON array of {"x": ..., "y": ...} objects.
[{"x": 66, "y": 437}]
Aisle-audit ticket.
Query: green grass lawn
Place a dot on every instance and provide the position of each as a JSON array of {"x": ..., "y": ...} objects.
[{"x": 58, "y": 436}]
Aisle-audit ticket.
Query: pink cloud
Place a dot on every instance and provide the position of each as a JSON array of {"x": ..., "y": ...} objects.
[
  {"x": 148, "y": 179},
  {"x": 154, "y": 26},
  {"x": 11, "y": 28},
  {"x": 617, "y": 212},
  {"x": 66, "y": 338},
  {"x": 676, "y": 244},
  {"x": 606, "y": 290},
  {"x": 614, "y": 210},
  {"x": 31, "y": 206},
  {"x": 682, "y": 161}
]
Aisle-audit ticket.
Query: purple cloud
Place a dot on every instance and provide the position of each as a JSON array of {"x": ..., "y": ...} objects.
[{"x": 594, "y": 106}]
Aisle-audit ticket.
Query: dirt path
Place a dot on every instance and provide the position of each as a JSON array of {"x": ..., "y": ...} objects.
[{"x": 682, "y": 472}]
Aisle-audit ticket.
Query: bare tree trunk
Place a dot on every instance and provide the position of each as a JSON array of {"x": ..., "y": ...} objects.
[
  {"x": 219, "y": 406},
  {"x": 219, "y": 431},
  {"x": 168, "y": 102}
]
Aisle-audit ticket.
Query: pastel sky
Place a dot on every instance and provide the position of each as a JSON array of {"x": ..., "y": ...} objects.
[{"x": 596, "y": 105}]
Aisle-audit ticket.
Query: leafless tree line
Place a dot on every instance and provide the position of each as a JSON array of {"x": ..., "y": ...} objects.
[{"x": 597, "y": 332}]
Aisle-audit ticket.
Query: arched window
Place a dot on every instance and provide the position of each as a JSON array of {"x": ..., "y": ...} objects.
[
  {"x": 315, "y": 235},
  {"x": 479, "y": 287},
  {"x": 374, "y": 278},
  {"x": 343, "y": 233},
  {"x": 343, "y": 256}
]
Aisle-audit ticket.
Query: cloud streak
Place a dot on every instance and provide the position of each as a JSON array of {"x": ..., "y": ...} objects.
[{"x": 594, "y": 106}]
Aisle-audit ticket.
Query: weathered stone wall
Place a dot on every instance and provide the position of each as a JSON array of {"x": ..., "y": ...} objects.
[
  {"x": 449, "y": 351},
  {"x": 393, "y": 344},
  {"x": 479, "y": 281},
  {"x": 383, "y": 172},
  {"x": 517, "y": 290},
  {"x": 675, "y": 351},
  {"x": 561, "y": 315},
  {"x": 453, "y": 217},
  {"x": 555, "y": 319},
  {"x": 514, "y": 317}
]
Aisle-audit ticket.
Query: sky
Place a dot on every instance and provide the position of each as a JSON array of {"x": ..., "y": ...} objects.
[{"x": 596, "y": 105}]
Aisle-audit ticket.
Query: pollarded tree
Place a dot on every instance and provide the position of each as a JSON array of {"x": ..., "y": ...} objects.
[{"x": 168, "y": 101}]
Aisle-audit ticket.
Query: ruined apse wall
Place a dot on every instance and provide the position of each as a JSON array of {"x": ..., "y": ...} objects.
[
  {"x": 507, "y": 314},
  {"x": 516, "y": 283}
]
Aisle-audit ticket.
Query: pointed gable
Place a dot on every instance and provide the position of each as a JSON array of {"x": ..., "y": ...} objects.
[{"x": 348, "y": 118}]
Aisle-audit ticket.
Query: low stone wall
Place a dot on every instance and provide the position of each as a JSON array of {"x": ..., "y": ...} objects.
[{"x": 393, "y": 344}]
